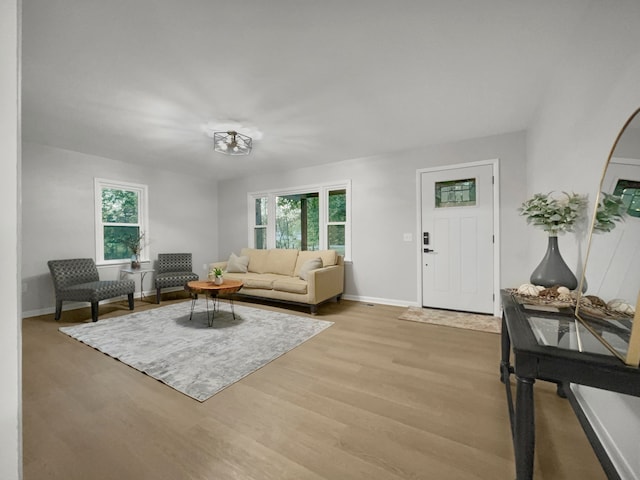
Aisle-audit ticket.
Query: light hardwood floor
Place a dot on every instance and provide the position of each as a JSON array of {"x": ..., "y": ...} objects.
[{"x": 371, "y": 397}]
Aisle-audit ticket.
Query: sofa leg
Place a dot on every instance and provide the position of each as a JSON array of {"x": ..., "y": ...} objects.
[
  {"x": 158, "y": 295},
  {"x": 58, "y": 309},
  {"x": 314, "y": 309},
  {"x": 338, "y": 298},
  {"x": 94, "y": 311},
  {"x": 130, "y": 296}
]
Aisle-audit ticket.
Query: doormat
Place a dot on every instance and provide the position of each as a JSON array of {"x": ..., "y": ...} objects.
[{"x": 448, "y": 318}]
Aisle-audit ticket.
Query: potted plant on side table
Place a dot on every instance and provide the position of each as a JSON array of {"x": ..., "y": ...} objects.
[
  {"x": 134, "y": 243},
  {"x": 215, "y": 275}
]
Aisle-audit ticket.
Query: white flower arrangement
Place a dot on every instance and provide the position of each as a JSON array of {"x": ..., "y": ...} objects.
[
  {"x": 554, "y": 215},
  {"x": 216, "y": 272}
]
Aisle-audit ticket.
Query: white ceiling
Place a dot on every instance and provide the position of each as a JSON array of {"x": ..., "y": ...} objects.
[{"x": 143, "y": 80}]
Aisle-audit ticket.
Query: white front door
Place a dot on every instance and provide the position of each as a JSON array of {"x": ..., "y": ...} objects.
[{"x": 458, "y": 239}]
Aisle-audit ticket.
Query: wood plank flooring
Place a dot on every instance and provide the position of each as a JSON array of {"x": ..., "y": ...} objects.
[{"x": 372, "y": 397}]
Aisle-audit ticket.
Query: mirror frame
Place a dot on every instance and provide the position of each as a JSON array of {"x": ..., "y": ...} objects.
[{"x": 632, "y": 357}]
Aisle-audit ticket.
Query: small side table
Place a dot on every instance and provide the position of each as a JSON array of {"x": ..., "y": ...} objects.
[
  {"x": 210, "y": 289},
  {"x": 140, "y": 271}
]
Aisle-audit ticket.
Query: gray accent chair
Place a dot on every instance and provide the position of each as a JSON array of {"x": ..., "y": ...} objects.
[
  {"x": 77, "y": 279},
  {"x": 173, "y": 270}
]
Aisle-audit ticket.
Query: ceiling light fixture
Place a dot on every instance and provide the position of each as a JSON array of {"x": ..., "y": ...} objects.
[{"x": 231, "y": 143}]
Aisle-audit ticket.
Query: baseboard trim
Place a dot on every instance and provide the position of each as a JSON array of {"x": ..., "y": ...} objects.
[
  {"x": 381, "y": 301},
  {"x": 74, "y": 306},
  {"x": 66, "y": 306}
]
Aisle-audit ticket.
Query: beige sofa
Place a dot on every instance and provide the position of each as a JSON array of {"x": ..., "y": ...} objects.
[{"x": 275, "y": 274}]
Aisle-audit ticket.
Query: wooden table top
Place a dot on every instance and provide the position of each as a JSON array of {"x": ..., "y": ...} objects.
[{"x": 199, "y": 286}]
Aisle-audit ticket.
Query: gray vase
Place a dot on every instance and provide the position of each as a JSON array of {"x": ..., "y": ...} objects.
[{"x": 553, "y": 270}]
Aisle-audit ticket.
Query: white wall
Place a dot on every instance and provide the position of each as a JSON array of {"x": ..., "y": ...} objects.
[
  {"x": 58, "y": 215},
  {"x": 10, "y": 337},
  {"x": 384, "y": 207},
  {"x": 587, "y": 104}
]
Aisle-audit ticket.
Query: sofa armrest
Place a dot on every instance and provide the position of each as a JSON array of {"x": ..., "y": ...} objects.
[{"x": 325, "y": 283}]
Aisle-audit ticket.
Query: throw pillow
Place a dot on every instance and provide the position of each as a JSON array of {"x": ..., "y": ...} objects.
[
  {"x": 309, "y": 265},
  {"x": 237, "y": 264}
]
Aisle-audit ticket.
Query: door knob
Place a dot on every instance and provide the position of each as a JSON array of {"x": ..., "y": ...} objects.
[{"x": 428, "y": 250}]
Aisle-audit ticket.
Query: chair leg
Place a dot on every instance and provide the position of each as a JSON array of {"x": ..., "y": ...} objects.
[
  {"x": 94, "y": 311},
  {"x": 130, "y": 301},
  {"x": 58, "y": 309},
  {"x": 158, "y": 295}
]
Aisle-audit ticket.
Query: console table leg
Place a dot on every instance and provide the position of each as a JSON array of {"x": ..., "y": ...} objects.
[
  {"x": 524, "y": 440},
  {"x": 505, "y": 342}
]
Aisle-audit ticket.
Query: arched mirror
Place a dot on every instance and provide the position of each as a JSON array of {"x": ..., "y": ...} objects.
[{"x": 609, "y": 306}]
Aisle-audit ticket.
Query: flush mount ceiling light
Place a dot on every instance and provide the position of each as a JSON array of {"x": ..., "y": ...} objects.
[{"x": 231, "y": 143}]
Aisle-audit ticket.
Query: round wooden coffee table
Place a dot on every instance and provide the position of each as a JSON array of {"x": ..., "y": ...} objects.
[{"x": 211, "y": 290}]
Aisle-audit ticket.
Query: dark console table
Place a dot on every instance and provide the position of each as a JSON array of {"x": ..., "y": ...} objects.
[{"x": 553, "y": 346}]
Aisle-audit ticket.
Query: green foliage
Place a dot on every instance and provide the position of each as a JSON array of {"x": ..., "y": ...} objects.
[
  {"x": 338, "y": 206},
  {"x": 133, "y": 241},
  {"x": 261, "y": 211},
  {"x": 297, "y": 221},
  {"x": 120, "y": 209},
  {"x": 216, "y": 272},
  {"x": 611, "y": 209},
  {"x": 554, "y": 215},
  {"x": 119, "y": 206},
  {"x": 290, "y": 212},
  {"x": 116, "y": 240}
]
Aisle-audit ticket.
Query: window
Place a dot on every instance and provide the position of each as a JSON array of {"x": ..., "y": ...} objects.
[
  {"x": 309, "y": 218},
  {"x": 297, "y": 221},
  {"x": 629, "y": 191},
  {"x": 121, "y": 220},
  {"x": 337, "y": 220},
  {"x": 260, "y": 225},
  {"x": 456, "y": 193}
]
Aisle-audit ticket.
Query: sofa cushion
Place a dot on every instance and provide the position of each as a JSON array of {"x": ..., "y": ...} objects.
[
  {"x": 311, "y": 264},
  {"x": 262, "y": 281},
  {"x": 329, "y": 257},
  {"x": 257, "y": 259},
  {"x": 282, "y": 261},
  {"x": 237, "y": 264},
  {"x": 291, "y": 285}
]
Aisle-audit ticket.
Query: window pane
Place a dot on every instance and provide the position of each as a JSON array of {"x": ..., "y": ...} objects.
[
  {"x": 456, "y": 193},
  {"x": 119, "y": 206},
  {"x": 338, "y": 206},
  {"x": 115, "y": 242},
  {"x": 260, "y": 238},
  {"x": 261, "y": 211},
  {"x": 297, "y": 221},
  {"x": 629, "y": 191},
  {"x": 336, "y": 238}
]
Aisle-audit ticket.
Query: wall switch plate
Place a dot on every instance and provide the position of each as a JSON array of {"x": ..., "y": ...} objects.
[
  {"x": 407, "y": 237},
  {"x": 205, "y": 266}
]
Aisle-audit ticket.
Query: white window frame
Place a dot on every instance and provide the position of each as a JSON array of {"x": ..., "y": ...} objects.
[
  {"x": 143, "y": 216},
  {"x": 347, "y": 220},
  {"x": 323, "y": 196},
  {"x": 252, "y": 219}
]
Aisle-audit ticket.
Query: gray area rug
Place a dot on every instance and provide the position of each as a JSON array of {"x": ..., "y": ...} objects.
[
  {"x": 190, "y": 356},
  {"x": 470, "y": 321}
]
